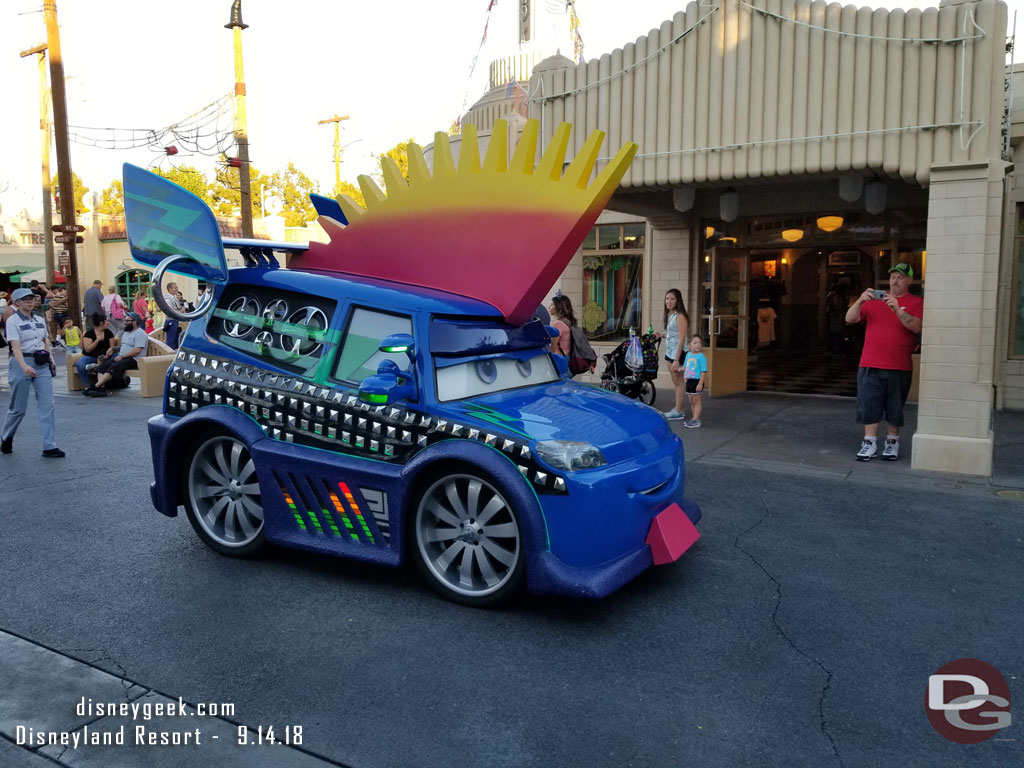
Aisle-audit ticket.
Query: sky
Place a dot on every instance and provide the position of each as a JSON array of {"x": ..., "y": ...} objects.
[{"x": 399, "y": 69}]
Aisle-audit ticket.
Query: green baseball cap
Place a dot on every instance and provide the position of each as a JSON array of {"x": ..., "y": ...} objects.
[{"x": 903, "y": 268}]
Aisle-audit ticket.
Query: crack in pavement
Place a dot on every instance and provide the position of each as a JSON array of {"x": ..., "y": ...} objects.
[
  {"x": 104, "y": 656},
  {"x": 823, "y": 723}
]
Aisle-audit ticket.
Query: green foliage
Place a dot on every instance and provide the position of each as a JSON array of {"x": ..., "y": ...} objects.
[
  {"x": 398, "y": 153},
  {"x": 350, "y": 189},
  {"x": 79, "y": 190},
  {"x": 113, "y": 199},
  {"x": 226, "y": 195},
  {"x": 292, "y": 187},
  {"x": 189, "y": 178}
]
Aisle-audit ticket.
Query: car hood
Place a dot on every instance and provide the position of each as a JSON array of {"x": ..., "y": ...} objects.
[{"x": 621, "y": 428}]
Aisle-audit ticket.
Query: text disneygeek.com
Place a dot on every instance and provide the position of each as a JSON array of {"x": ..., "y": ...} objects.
[{"x": 145, "y": 735}]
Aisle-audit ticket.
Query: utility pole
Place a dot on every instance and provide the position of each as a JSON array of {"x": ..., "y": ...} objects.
[
  {"x": 241, "y": 132},
  {"x": 337, "y": 148},
  {"x": 60, "y": 129},
  {"x": 44, "y": 127}
]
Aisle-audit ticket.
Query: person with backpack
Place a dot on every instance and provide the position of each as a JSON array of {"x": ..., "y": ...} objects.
[
  {"x": 115, "y": 310},
  {"x": 571, "y": 341}
]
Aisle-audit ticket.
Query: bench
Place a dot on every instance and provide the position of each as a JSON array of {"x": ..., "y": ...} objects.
[{"x": 152, "y": 370}]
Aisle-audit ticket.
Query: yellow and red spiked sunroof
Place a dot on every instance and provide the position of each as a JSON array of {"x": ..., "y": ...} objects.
[{"x": 499, "y": 231}]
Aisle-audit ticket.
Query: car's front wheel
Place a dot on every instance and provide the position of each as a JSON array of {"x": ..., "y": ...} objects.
[
  {"x": 468, "y": 540},
  {"x": 222, "y": 497}
]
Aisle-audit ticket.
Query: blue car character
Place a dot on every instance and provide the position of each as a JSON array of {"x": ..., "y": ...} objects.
[{"x": 334, "y": 407}]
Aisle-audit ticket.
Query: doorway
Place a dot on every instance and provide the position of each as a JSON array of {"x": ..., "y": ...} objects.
[{"x": 798, "y": 303}]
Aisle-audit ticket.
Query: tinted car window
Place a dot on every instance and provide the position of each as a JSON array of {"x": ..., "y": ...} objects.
[{"x": 360, "y": 355}]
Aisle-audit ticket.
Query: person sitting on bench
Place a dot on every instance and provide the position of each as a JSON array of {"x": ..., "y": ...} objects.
[{"x": 133, "y": 348}]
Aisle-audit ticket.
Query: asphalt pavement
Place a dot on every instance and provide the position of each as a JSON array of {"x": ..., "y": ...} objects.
[{"x": 800, "y": 630}]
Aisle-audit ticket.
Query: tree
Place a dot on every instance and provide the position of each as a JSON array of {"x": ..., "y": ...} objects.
[
  {"x": 398, "y": 153},
  {"x": 113, "y": 199},
  {"x": 78, "y": 188},
  {"x": 189, "y": 178},
  {"x": 292, "y": 187},
  {"x": 350, "y": 189},
  {"x": 226, "y": 194}
]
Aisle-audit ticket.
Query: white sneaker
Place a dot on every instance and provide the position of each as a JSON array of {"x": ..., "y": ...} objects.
[
  {"x": 867, "y": 451},
  {"x": 674, "y": 414},
  {"x": 892, "y": 449}
]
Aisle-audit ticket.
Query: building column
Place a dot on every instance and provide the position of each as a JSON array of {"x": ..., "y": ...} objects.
[
  {"x": 670, "y": 268},
  {"x": 954, "y": 426}
]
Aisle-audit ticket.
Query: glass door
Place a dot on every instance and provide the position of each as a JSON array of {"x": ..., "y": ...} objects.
[{"x": 724, "y": 316}]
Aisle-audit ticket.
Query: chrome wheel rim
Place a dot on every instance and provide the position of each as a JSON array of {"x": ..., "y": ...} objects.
[
  {"x": 467, "y": 535},
  {"x": 225, "y": 492}
]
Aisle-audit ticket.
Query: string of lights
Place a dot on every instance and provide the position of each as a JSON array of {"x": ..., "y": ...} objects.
[{"x": 208, "y": 131}]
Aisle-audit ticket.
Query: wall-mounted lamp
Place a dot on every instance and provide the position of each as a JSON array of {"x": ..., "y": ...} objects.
[
  {"x": 727, "y": 239},
  {"x": 792, "y": 235},
  {"x": 708, "y": 232},
  {"x": 875, "y": 192},
  {"x": 830, "y": 223},
  {"x": 785, "y": 261},
  {"x": 729, "y": 205},
  {"x": 682, "y": 198},
  {"x": 850, "y": 186}
]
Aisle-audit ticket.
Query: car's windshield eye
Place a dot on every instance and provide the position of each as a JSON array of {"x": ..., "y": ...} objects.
[
  {"x": 525, "y": 368},
  {"x": 487, "y": 371}
]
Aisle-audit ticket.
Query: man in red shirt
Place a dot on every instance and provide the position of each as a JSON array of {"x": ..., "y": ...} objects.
[{"x": 892, "y": 325}]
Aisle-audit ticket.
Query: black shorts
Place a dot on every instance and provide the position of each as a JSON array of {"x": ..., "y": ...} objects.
[
  {"x": 691, "y": 386},
  {"x": 881, "y": 393}
]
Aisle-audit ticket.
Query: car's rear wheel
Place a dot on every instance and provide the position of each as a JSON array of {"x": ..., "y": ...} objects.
[
  {"x": 222, "y": 497},
  {"x": 468, "y": 540}
]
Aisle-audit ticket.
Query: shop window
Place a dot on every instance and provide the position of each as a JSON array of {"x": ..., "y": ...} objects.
[
  {"x": 1017, "y": 302},
  {"x": 612, "y": 267},
  {"x": 130, "y": 283}
]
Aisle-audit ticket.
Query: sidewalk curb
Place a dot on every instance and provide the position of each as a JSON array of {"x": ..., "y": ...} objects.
[{"x": 45, "y": 689}]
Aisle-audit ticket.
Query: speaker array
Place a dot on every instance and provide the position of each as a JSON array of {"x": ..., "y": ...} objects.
[{"x": 277, "y": 310}]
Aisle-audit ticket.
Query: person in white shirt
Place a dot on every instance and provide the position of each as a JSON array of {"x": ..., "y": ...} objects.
[
  {"x": 171, "y": 328},
  {"x": 114, "y": 309},
  {"x": 31, "y": 367}
]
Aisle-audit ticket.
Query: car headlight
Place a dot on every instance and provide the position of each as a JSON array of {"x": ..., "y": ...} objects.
[{"x": 570, "y": 455}]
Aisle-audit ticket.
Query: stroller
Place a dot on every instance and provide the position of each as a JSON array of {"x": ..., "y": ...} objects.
[{"x": 618, "y": 377}]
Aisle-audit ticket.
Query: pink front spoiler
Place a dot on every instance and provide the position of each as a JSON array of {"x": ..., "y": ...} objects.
[{"x": 671, "y": 534}]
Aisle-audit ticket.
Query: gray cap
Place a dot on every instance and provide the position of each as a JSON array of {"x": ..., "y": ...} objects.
[{"x": 21, "y": 293}]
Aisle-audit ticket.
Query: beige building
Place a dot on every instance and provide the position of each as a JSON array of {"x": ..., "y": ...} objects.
[{"x": 790, "y": 153}]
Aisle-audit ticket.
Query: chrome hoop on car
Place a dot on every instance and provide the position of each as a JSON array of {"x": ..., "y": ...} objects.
[{"x": 205, "y": 303}]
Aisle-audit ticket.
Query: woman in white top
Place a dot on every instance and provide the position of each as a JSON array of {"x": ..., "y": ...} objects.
[
  {"x": 677, "y": 326},
  {"x": 113, "y": 306}
]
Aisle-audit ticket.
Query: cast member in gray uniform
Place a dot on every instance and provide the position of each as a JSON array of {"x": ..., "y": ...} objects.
[{"x": 31, "y": 366}]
